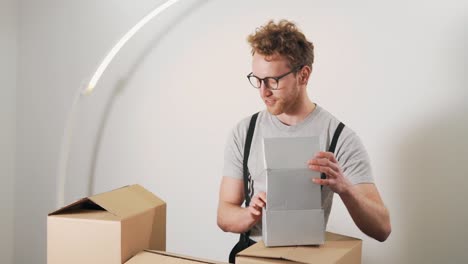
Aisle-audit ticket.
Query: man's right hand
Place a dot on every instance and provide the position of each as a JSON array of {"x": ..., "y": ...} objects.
[
  {"x": 232, "y": 217},
  {"x": 256, "y": 204}
]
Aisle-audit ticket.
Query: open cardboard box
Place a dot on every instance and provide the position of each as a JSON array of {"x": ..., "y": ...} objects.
[
  {"x": 159, "y": 257},
  {"x": 107, "y": 228},
  {"x": 338, "y": 249}
]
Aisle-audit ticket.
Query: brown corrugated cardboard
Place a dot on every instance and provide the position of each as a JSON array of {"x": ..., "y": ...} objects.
[
  {"x": 107, "y": 228},
  {"x": 159, "y": 257},
  {"x": 338, "y": 249}
]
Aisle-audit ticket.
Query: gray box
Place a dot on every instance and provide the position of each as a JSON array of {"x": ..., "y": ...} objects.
[{"x": 293, "y": 214}]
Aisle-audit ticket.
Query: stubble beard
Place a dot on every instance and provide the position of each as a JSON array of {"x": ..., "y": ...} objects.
[{"x": 286, "y": 105}]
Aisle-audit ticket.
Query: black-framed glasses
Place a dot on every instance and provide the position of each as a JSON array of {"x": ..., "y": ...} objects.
[{"x": 271, "y": 83}]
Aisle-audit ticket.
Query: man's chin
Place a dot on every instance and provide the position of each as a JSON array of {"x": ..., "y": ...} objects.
[{"x": 274, "y": 110}]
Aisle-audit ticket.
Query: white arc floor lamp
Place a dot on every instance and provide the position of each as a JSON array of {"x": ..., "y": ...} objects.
[{"x": 88, "y": 89}]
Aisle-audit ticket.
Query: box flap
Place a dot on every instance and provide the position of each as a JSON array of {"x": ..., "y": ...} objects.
[
  {"x": 184, "y": 257},
  {"x": 154, "y": 256},
  {"x": 260, "y": 250},
  {"x": 335, "y": 247},
  {"x": 83, "y": 203},
  {"x": 289, "y": 152},
  {"x": 127, "y": 201},
  {"x": 293, "y": 228},
  {"x": 101, "y": 215}
]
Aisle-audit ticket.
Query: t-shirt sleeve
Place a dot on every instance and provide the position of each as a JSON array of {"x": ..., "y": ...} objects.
[
  {"x": 353, "y": 158},
  {"x": 233, "y": 154}
]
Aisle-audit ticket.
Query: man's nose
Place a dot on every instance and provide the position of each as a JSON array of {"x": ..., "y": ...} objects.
[{"x": 264, "y": 90}]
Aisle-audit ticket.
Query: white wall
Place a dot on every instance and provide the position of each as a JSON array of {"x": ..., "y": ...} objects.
[
  {"x": 8, "y": 51},
  {"x": 393, "y": 72},
  {"x": 60, "y": 43}
]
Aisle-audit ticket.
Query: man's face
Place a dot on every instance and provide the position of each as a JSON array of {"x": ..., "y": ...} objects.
[{"x": 287, "y": 96}]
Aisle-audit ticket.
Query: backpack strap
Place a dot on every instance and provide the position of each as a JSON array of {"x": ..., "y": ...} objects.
[
  {"x": 247, "y": 178},
  {"x": 333, "y": 145}
]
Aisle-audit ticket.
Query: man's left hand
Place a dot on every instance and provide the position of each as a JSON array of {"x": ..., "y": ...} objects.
[{"x": 326, "y": 162}]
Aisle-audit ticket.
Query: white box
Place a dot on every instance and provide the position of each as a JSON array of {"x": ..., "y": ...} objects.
[{"x": 293, "y": 214}]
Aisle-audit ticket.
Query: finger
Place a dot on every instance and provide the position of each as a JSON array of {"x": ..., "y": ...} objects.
[
  {"x": 326, "y": 155},
  {"x": 262, "y": 196},
  {"x": 327, "y": 170},
  {"x": 259, "y": 203},
  {"x": 320, "y": 154},
  {"x": 254, "y": 210},
  {"x": 324, "y": 162},
  {"x": 256, "y": 201},
  {"x": 333, "y": 158},
  {"x": 319, "y": 181}
]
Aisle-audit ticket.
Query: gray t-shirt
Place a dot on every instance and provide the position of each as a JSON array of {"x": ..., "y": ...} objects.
[{"x": 350, "y": 152}]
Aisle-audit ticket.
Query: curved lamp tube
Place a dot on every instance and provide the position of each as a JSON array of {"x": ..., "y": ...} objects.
[{"x": 67, "y": 135}]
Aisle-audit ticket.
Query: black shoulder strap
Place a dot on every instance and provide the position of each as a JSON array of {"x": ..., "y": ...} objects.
[
  {"x": 248, "y": 143},
  {"x": 335, "y": 137},
  {"x": 333, "y": 143},
  {"x": 244, "y": 237}
]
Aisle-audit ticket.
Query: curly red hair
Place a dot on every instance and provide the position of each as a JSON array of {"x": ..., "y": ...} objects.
[{"x": 285, "y": 39}]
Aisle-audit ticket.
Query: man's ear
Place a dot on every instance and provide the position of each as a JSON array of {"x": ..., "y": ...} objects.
[{"x": 304, "y": 74}]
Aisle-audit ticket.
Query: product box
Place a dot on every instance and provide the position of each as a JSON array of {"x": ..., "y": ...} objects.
[
  {"x": 337, "y": 249},
  {"x": 159, "y": 257},
  {"x": 107, "y": 228},
  {"x": 293, "y": 214}
]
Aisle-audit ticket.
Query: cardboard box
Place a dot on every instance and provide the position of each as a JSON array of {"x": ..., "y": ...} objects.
[
  {"x": 107, "y": 228},
  {"x": 159, "y": 257},
  {"x": 338, "y": 249},
  {"x": 293, "y": 213}
]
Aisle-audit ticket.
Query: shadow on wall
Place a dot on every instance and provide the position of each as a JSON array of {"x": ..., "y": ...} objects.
[
  {"x": 433, "y": 176},
  {"x": 433, "y": 190},
  {"x": 122, "y": 84}
]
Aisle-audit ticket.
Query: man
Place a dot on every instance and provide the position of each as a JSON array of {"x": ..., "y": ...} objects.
[{"x": 282, "y": 60}]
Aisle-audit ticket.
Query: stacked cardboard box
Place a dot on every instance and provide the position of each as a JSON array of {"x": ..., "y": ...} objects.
[
  {"x": 338, "y": 249},
  {"x": 107, "y": 228}
]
